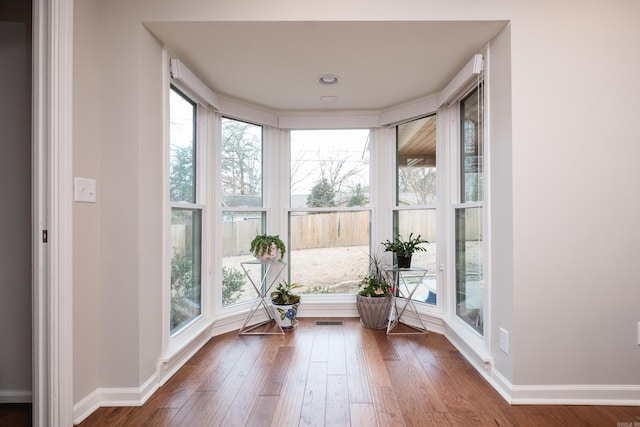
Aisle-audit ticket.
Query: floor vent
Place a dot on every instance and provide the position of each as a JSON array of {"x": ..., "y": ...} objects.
[{"x": 329, "y": 323}]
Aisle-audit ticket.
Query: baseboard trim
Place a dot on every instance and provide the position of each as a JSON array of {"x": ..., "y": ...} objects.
[
  {"x": 567, "y": 394},
  {"x": 576, "y": 394},
  {"x": 16, "y": 396}
]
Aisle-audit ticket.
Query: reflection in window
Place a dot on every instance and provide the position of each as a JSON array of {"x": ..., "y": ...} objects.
[
  {"x": 472, "y": 147},
  {"x": 238, "y": 230},
  {"x": 469, "y": 272},
  {"x": 241, "y": 164},
  {"x": 186, "y": 214},
  {"x": 417, "y": 184},
  {"x": 186, "y": 229},
  {"x": 243, "y": 214},
  {"x": 421, "y": 222},
  {"x": 182, "y": 143},
  {"x": 469, "y": 214}
]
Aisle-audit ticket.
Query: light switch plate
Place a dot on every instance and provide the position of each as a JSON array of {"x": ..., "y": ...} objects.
[
  {"x": 84, "y": 190},
  {"x": 504, "y": 340}
]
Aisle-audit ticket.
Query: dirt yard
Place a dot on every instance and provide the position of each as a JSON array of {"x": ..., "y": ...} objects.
[{"x": 332, "y": 270}]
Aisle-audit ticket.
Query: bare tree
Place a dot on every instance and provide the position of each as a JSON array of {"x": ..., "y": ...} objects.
[
  {"x": 241, "y": 158},
  {"x": 339, "y": 172},
  {"x": 420, "y": 181}
]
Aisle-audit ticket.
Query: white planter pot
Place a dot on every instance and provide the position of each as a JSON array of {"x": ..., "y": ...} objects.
[
  {"x": 285, "y": 315},
  {"x": 272, "y": 255}
]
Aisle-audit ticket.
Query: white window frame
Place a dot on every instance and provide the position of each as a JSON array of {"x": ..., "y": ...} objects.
[
  {"x": 441, "y": 170},
  {"x": 464, "y": 83},
  {"x": 268, "y": 158},
  {"x": 383, "y": 201},
  {"x": 173, "y": 343}
]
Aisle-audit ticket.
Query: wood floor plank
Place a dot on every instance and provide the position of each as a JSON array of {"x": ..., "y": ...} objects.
[
  {"x": 430, "y": 398},
  {"x": 196, "y": 412},
  {"x": 358, "y": 377},
  {"x": 363, "y": 415},
  {"x": 272, "y": 386},
  {"x": 15, "y": 414},
  {"x": 161, "y": 417},
  {"x": 315, "y": 396},
  {"x": 211, "y": 408},
  {"x": 225, "y": 362},
  {"x": 410, "y": 401},
  {"x": 262, "y": 412},
  {"x": 374, "y": 362},
  {"x": 388, "y": 412},
  {"x": 320, "y": 349},
  {"x": 289, "y": 404},
  {"x": 337, "y": 412},
  {"x": 336, "y": 357},
  {"x": 108, "y": 416}
]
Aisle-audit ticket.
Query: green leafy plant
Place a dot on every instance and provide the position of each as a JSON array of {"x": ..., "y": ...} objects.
[
  {"x": 375, "y": 283},
  {"x": 233, "y": 283},
  {"x": 262, "y": 245},
  {"x": 405, "y": 248},
  {"x": 283, "y": 294}
]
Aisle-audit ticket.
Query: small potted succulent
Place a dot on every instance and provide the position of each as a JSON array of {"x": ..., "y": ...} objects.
[
  {"x": 374, "y": 299},
  {"x": 285, "y": 304},
  {"x": 268, "y": 248},
  {"x": 404, "y": 249}
]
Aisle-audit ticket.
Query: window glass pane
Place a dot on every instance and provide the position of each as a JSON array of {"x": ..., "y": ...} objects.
[
  {"x": 185, "y": 267},
  {"x": 416, "y": 184},
  {"x": 238, "y": 230},
  {"x": 469, "y": 272},
  {"x": 472, "y": 147},
  {"x": 329, "y": 251},
  {"x": 241, "y": 164},
  {"x": 329, "y": 168},
  {"x": 182, "y": 137},
  {"x": 421, "y": 222}
]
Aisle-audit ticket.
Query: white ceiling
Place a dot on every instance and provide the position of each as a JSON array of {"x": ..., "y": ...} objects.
[{"x": 277, "y": 64}]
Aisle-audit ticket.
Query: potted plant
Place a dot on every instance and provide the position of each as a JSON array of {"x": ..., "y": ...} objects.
[
  {"x": 268, "y": 248},
  {"x": 404, "y": 249},
  {"x": 285, "y": 304},
  {"x": 374, "y": 299}
]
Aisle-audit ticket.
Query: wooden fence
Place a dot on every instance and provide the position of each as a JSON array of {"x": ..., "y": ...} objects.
[{"x": 325, "y": 230}]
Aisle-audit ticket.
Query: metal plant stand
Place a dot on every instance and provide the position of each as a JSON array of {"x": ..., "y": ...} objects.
[
  {"x": 409, "y": 279},
  {"x": 271, "y": 271}
]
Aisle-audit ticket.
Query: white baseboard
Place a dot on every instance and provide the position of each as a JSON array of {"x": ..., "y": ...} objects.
[
  {"x": 554, "y": 394},
  {"x": 576, "y": 394},
  {"x": 15, "y": 396}
]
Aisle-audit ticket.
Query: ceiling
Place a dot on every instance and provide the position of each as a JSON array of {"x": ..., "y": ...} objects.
[{"x": 276, "y": 65}]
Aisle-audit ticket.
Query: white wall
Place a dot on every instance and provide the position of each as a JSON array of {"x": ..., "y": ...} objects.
[
  {"x": 575, "y": 151},
  {"x": 15, "y": 215},
  {"x": 86, "y": 226},
  {"x": 567, "y": 288},
  {"x": 501, "y": 196}
]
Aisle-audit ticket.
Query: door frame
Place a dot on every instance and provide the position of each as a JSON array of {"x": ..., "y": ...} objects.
[{"x": 52, "y": 169}]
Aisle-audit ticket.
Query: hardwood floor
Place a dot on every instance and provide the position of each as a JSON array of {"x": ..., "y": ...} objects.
[
  {"x": 339, "y": 375},
  {"x": 15, "y": 415}
]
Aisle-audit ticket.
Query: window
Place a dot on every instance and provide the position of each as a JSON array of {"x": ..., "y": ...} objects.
[
  {"x": 416, "y": 196},
  {"x": 329, "y": 221},
  {"x": 243, "y": 212},
  {"x": 469, "y": 214},
  {"x": 186, "y": 213}
]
